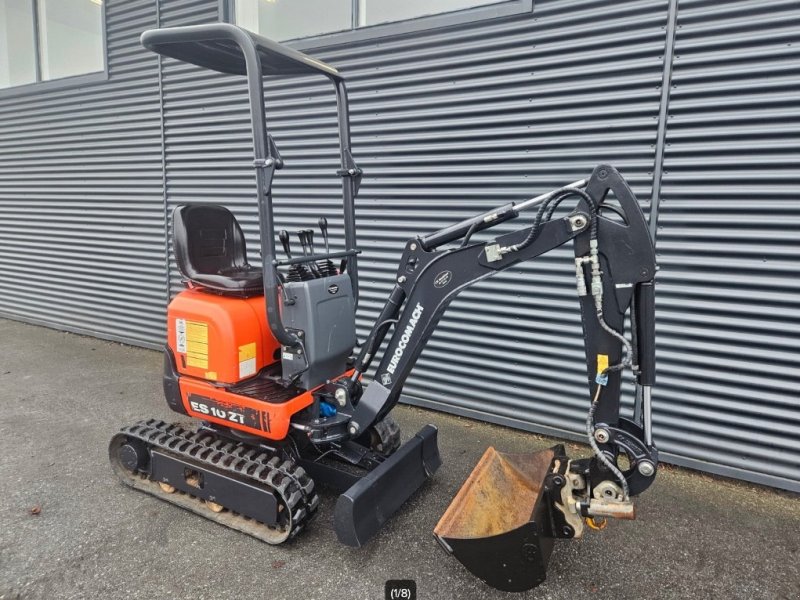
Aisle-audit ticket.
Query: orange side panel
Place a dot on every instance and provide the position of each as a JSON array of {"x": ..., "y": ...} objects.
[
  {"x": 210, "y": 403},
  {"x": 219, "y": 338}
]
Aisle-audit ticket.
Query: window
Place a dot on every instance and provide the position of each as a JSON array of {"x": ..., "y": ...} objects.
[
  {"x": 42, "y": 40},
  {"x": 291, "y": 19},
  {"x": 17, "y": 45},
  {"x": 372, "y": 12}
]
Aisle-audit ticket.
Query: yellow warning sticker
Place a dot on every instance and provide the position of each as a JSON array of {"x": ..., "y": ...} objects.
[
  {"x": 602, "y": 363},
  {"x": 247, "y": 360},
  {"x": 197, "y": 344},
  {"x": 211, "y": 375},
  {"x": 247, "y": 351}
]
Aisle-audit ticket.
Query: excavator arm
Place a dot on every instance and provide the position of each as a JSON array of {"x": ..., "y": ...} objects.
[
  {"x": 617, "y": 278},
  {"x": 614, "y": 268}
]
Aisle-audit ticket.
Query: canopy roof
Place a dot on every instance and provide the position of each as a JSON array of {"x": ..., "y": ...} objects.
[{"x": 222, "y": 47}]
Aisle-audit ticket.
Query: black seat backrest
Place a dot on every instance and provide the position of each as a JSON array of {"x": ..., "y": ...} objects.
[{"x": 207, "y": 240}]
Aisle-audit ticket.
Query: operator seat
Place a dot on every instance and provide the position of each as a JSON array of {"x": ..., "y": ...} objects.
[{"x": 210, "y": 251}]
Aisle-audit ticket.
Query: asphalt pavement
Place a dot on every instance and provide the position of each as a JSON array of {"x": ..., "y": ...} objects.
[{"x": 69, "y": 529}]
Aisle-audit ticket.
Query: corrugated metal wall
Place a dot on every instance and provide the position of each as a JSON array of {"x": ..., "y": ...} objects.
[
  {"x": 453, "y": 121},
  {"x": 81, "y": 206},
  {"x": 729, "y": 242}
]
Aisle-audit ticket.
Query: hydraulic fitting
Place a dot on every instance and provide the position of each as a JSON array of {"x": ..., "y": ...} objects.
[
  {"x": 597, "y": 283},
  {"x": 580, "y": 279}
]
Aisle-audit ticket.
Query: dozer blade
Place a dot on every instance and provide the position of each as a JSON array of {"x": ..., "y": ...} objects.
[
  {"x": 498, "y": 525},
  {"x": 363, "y": 509}
]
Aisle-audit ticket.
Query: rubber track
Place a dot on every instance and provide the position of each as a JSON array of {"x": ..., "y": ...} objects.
[
  {"x": 290, "y": 483},
  {"x": 389, "y": 435}
]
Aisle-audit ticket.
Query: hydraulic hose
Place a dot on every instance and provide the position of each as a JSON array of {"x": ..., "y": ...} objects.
[
  {"x": 545, "y": 212},
  {"x": 596, "y": 449}
]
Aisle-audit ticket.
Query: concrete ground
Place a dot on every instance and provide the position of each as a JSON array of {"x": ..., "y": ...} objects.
[{"x": 71, "y": 530}]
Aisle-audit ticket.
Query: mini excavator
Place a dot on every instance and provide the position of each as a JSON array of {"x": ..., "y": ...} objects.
[{"x": 263, "y": 357}]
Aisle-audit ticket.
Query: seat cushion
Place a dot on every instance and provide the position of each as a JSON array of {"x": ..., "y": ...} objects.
[
  {"x": 240, "y": 281},
  {"x": 210, "y": 250}
]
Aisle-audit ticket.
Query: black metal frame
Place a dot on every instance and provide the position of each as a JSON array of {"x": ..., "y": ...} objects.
[{"x": 230, "y": 49}]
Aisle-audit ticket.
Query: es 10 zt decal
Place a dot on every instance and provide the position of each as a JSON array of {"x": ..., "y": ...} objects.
[
  {"x": 242, "y": 415},
  {"x": 404, "y": 339}
]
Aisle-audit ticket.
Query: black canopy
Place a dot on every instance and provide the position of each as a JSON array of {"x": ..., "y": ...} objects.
[{"x": 223, "y": 47}]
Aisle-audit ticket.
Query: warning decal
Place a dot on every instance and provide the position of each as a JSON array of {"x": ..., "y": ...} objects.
[
  {"x": 247, "y": 360},
  {"x": 602, "y": 363},
  {"x": 180, "y": 334},
  {"x": 197, "y": 344}
]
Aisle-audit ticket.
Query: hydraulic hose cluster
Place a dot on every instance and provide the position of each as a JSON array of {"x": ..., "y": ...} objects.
[{"x": 545, "y": 213}]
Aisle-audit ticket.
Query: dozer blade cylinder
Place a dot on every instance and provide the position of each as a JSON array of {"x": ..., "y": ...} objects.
[
  {"x": 363, "y": 509},
  {"x": 499, "y": 523}
]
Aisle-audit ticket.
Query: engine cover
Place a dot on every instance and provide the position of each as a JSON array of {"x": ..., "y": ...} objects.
[{"x": 219, "y": 338}]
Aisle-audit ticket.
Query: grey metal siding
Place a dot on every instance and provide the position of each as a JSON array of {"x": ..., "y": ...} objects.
[
  {"x": 81, "y": 209},
  {"x": 729, "y": 243}
]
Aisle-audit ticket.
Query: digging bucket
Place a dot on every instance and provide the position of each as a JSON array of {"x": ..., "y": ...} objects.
[{"x": 499, "y": 525}]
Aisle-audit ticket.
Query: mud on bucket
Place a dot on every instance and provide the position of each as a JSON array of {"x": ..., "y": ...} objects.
[{"x": 499, "y": 524}]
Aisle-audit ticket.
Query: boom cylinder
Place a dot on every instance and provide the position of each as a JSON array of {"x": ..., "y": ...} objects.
[
  {"x": 477, "y": 223},
  {"x": 486, "y": 220},
  {"x": 378, "y": 333}
]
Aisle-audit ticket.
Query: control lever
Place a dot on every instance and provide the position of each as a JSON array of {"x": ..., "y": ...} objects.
[
  {"x": 296, "y": 272},
  {"x": 305, "y": 243},
  {"x": 283, "y": 236},
  {"x": 323, "y": 227},
  {"x": 310, "y": 238},
  {"x": 314, "y": 267},
  {"x": 301, "y": 235},
  {"x": 326, "y": 266}
]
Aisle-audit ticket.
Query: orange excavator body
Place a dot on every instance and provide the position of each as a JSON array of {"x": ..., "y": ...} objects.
[{"x": 221, "y": 345}]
